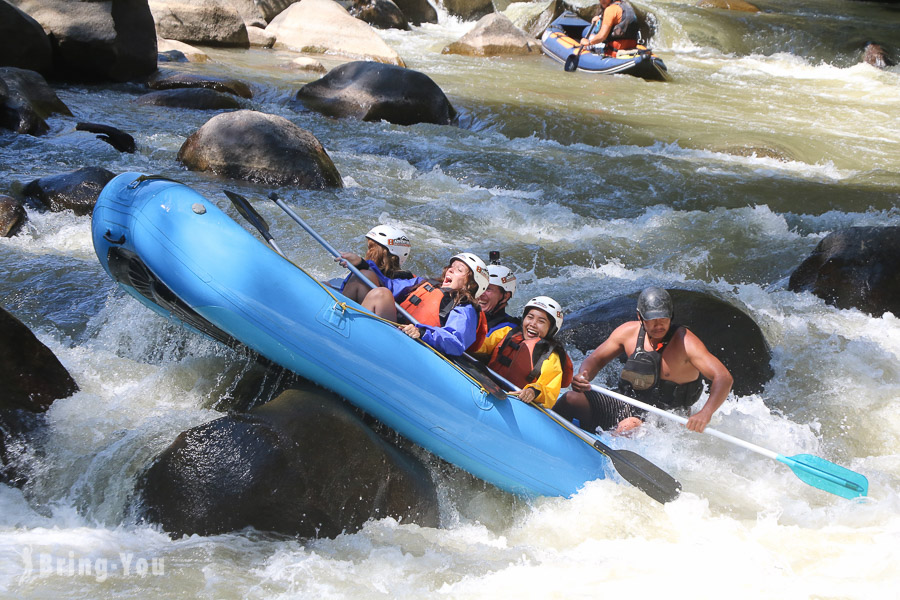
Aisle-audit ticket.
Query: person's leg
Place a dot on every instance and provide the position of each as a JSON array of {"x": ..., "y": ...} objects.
[
  {"x": 357, "y": 290},
  {"x": 574, "y": 405},
  {"x": 381, "y": 302}
]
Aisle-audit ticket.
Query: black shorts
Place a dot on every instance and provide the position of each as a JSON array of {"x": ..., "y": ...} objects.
[{"x": 606, "y": 411}]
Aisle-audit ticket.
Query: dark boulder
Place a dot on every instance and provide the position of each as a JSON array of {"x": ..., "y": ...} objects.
[
  {"x": 382, "y": 14},
  {"x": 468, "y": 9},
  {"x": 202, "y": 23},
  {"x": 23, "y": 42},
  {"x": 26, "y": 100},
  {"x": 76, "y": 191},
  {"x": 12, "y": 216},
  {"x": 300, "y": 465},
  {"x": 198, "y": 99},
  {"x": 728, "y": 333},
  {"x": 857, "y": 267},
  {"x": 372, "y": 91},
  {"x": 31, "y": 377},
  {"x": 97, "y": 41},
  {"x": 171, "y": 81},
  {"x": 417, "y": 11},
  {"x": 263, "y": 148}
]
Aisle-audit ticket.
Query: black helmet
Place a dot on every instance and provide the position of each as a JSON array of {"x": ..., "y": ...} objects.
[{"x": 655, "y": 303}]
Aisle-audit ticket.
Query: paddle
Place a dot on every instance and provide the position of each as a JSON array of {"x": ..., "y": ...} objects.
[
  {"x": 811, "y": 470},
  {"x": 572, "y": 59},
  {"x": 247, "y": 211},
  {"x": 632, "y": 467}
]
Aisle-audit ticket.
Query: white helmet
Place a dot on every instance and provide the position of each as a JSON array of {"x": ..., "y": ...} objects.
[
  {"x": 391, "y": 238},
  {"x": 479, "y": 269},
  {"x": 549, "y": 306},
  {"x": 502, "y": 276}
]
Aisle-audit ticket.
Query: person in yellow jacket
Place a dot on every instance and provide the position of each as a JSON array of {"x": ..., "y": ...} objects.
[{"x": 529, "y": 356}]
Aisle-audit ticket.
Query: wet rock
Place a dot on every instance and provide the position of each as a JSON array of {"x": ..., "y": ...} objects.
[
  {"x": 469, "y": 9},
  {"x": 259, "y": 37},
  {"x": 417, "y": 11},
  {"x": 494, "y": 35},
  {"x": 76, "y": 191},
  {"x": 586, "y": 9},
  {"x": 171, "y": 81},
  {"x": 310, "y": 65},
  {"x": 190, "y": 53},
  {"x": 730, "y": 334},
  {"x": 258, "y": 147},
  {"x": 373, "y": 92},
  {"x": 23, "y": 42},
  {"x": 12, "y": 216},
  {"x": 738, "y": 5},
  {"x": 257, "y": 11},
  {"x": 858, "y": 267},
  {"x": 382, "y": 14},
  {"x": 532, "y": 17},
  {"x": 875, "y": 55},
  {"x": 325, "y": 27},
  {"x": 199, "y": 99},
  {"x": 207, "y": 24},
  {"x": 300, "y": 465},
  {"x": 26, "y": 100},
  {"x": 30, "y": 374},
  {"x": 97, "y": 41},
  {"x": 116, "y": 138}
]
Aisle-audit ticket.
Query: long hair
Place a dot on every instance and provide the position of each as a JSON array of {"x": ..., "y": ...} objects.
[
  {"x": 383, "y": 259},
  {"x": 467, "y": 294}
]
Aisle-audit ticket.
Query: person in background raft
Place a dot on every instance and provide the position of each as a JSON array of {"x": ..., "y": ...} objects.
[
  {"x": 387, "y": 249},
  {"x": 529, "y": 356},
  {"x": 618, "y": 27},
  {"x": 500, "y": 290},
  {"x": 665, "y": 362},
  {"x": 450, "y": 320}
]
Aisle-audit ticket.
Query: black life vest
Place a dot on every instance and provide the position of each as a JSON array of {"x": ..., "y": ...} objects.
[
  {"x": 520, "y": 360},
  {"x": 627, "y": 28},
  {"x": 430, "y": 305},
  {"x": 640, "y": 377}
]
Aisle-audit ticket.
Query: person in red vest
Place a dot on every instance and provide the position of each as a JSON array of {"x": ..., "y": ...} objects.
[
  {"x": 618, "y": 26},
  {"x": 529, "y": 356},
  {"x": 446, "y": 309}
]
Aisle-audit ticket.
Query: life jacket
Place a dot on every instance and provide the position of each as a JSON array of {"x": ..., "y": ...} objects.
[
  {"x": 520, "y": 360},
  {"x": 640, "y": 377},
  {"x": 499, "y": 319},
  {"x": 627, "y": 28},
  {"x": 430, "y": 305}
]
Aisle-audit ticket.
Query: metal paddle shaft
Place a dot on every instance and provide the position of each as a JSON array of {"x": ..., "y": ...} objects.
[{"x": 810, "y": 469}]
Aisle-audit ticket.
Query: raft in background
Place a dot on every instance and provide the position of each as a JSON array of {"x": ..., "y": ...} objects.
[
  {"x": 184, "y": 258},
  {"x": 560, "y": 41}
]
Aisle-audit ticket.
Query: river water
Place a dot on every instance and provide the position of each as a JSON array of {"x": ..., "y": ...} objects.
[{"x": 770, "y": 136}]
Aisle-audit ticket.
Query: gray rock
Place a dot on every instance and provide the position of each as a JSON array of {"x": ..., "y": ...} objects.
[
  {"x": 731, "y": 335},
  {"x": 23, "y": 42},
  {"x": 300, "y": 465},
  {"x": 12, "y": 216},
  {"x": 167, "y": 80},
  {"x": 417, "y": 11},
  {"x": 258, "y": 147},
  {"x": 858, "y": 267},
  {"x": 494, "y": 35},
  {"x": 382, "y": 14},
  {"x": 199, "y": 99},
  {"x": 26, "y": 100},
  {"x": 207, "y": 24},
  {"x": 76, "y": 191},
  {"x": 372, "y": 91}
]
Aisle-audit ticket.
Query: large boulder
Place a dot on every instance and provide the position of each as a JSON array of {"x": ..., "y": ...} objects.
[
  {"x": 76, "y": 191},
  {"x": 12, "y": 216},
  {"x": 196, "y": 99},
  {"x": 26, "y": 100},
  {"x": 97, "y": 41},
  {"x": 175, "y": 51},
  {"x": 494, "y": 35},
  {"x": 730, "y": 334},
  {"x": 382, "y": 14},
  {"x": 857, "y": 267},
  {"x": 532, "y": 17},
  {"x": 166, "y": 80},
  {"x": 417, "y": 11},
  {"x": 373, "y": 92},
  {"x": 300, "y": 465},
  {"x": 23, "y": 42},
  {"x": 254, "y": 146},
  {"x": 31, "y": 377},
  {"x": 206, "y": 23},
  {"x": 468, "y": 9},
  {"x": 325, "y": 27}
]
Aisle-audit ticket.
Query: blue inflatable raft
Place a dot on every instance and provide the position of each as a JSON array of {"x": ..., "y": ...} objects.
[
  {"x": 183, "y": 257},
  {"x": 560, "y": 42}
]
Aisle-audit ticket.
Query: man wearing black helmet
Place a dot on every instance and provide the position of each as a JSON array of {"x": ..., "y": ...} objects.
[{"x": 664, "y": 368}]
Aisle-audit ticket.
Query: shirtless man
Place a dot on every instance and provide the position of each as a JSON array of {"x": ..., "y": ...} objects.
[{"x": 664, "y": 368}]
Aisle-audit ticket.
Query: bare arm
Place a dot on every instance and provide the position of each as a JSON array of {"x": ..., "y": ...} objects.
[
  {"x": 713, "y": 369},
  {"x": 612, "y": 347}
]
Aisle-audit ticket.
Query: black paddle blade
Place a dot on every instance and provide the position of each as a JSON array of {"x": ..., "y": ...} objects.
[
  {"x": 572, "y": 62},
  {"x": 642, "y": 474},
  {"x": 247, "y": 211}
]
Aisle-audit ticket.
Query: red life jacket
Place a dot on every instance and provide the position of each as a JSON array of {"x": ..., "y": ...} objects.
[
  {"x": 430, "y": 305},
  {"x": 520, "y": 360}
]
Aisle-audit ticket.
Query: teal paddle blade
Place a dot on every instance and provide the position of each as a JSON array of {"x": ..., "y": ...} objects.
[{"x": 827, "y": 476}]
